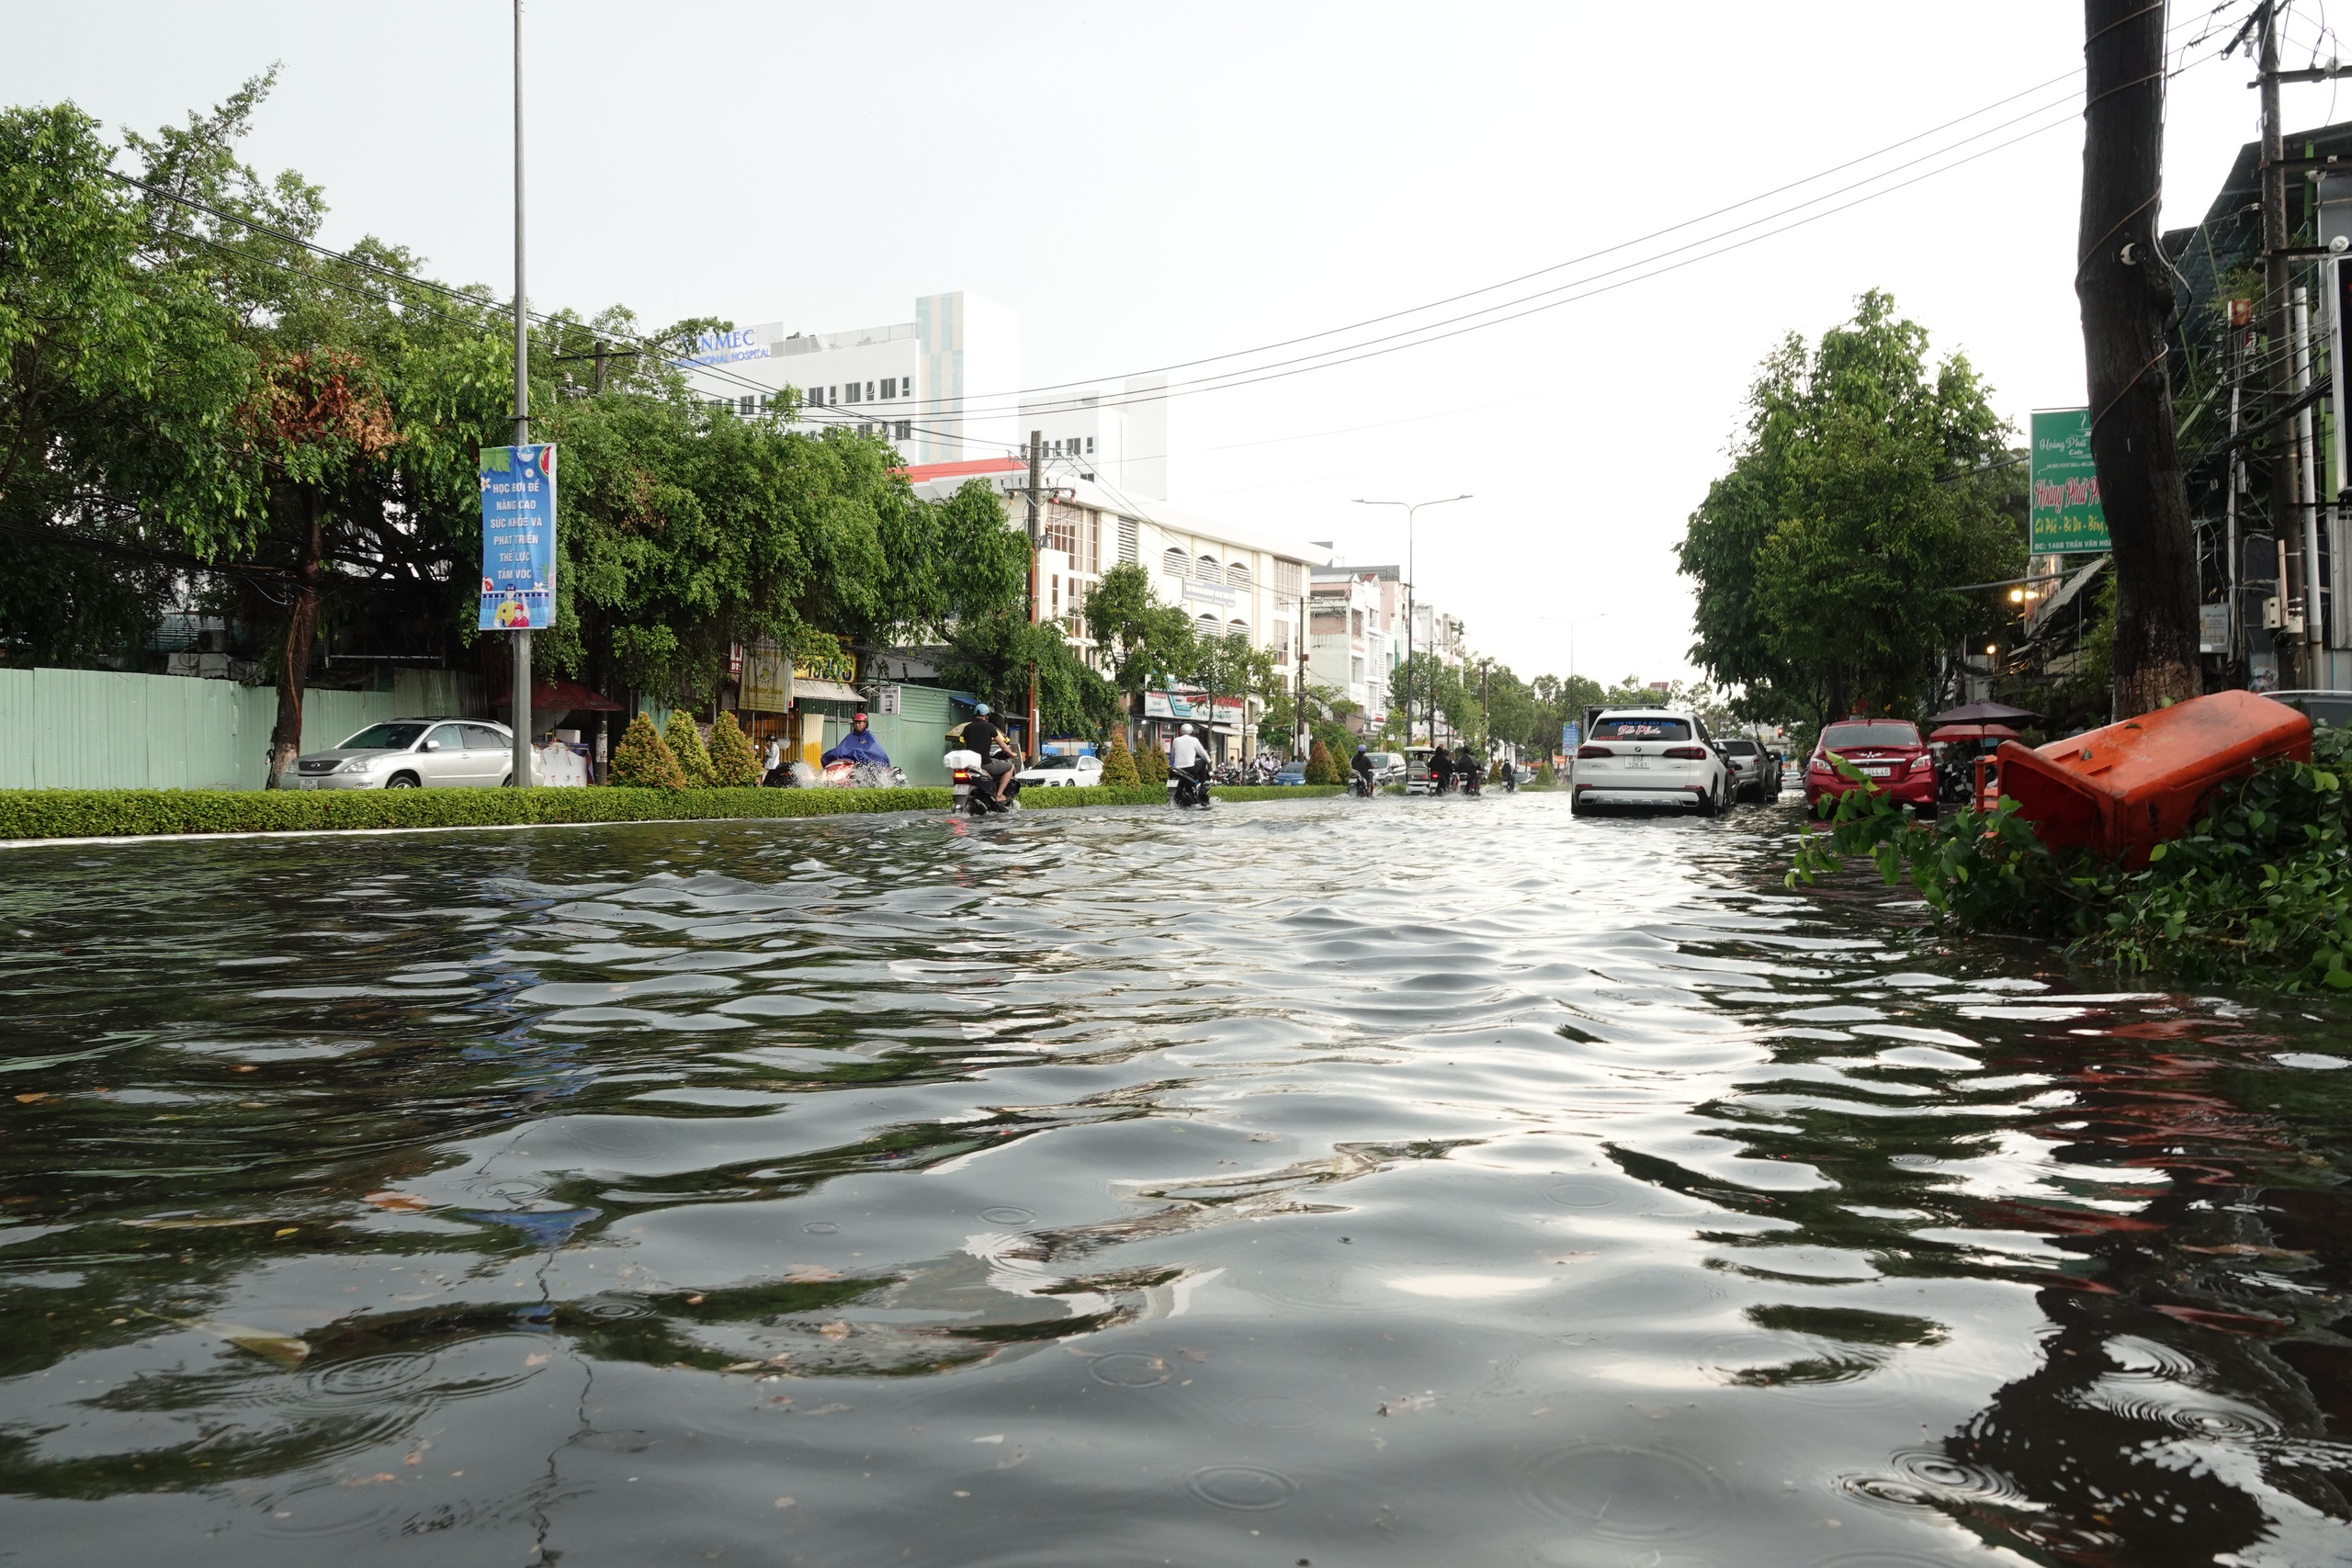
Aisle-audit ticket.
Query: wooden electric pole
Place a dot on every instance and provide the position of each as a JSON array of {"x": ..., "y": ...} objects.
[{"x": 2125, "y": 288}]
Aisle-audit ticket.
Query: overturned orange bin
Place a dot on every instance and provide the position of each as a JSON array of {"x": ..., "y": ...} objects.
[{"x": 2121, "y": 790}]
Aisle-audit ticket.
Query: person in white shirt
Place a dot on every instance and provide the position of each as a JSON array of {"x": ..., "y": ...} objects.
[{"x": 1186, "y": 755}]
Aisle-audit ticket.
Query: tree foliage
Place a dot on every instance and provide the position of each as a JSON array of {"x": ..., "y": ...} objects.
[
  {"x": 644, "y": 760},
  {"x": 733, "y": 763},
  {"x": 1862, "y": 492}
]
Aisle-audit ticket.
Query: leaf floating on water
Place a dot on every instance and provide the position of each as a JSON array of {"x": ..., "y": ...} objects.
[
  {"x": 991, "y": 1437},
  {"x": 1405, "y": 1404},
  {"x": 809, "y": 1274},
  {"x": 534, "y": 1359},
  {"x": 397, "y": 1201},
  {"x": 785, "y": 1502},
  {"x": 286, "y": 1349},
  {"x": 742, "y": 1366},
  {"x": 30, "y": 1099},
  {"x": 835, "y": 1330}
]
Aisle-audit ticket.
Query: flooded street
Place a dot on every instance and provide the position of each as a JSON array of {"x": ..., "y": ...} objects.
[{"x": 1399, "y": 1182}]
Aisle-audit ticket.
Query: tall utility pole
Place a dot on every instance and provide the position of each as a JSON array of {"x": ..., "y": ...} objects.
[
  {"x": 522, "y": 758},
  {"x": 2285, "y": 480},
  {"x": 1412, "y": 610},
  {"x": 2125, "y": 286},
  {"x": 1037, "y": 491}
]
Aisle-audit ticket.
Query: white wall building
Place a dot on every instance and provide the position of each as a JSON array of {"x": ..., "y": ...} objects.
[
  {"x": 944, "y": 388},
  {"x": 1353, "y": 638}
]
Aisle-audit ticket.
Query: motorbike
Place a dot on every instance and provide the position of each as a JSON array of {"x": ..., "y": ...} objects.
[
  {"x": 1359, "y": 786},
  {"x": 1468, "y": 781},
  {"x": 975, "y": 791},
  {"x": 1183, "y": 790},
  {"x": 862, "y": 775},
  {"x": 1230, "y": 773}
]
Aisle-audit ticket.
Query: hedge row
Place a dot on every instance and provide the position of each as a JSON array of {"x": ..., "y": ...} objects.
[{"x": 123, "y": 813}]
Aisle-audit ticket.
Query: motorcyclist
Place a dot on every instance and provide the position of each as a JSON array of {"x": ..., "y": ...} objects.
[
  {"x": 857, "y": 746},
  {"x": 1440, "y": 766},
  {"x": 1362, "y": 763},
  {"x": 1187, "y": 756},
  {"x": 1467, "y": 767},
  {"x": 982, "y": 735},
  {"x": 774, "y": 775},
  {"x": 1511, "y": 777}
]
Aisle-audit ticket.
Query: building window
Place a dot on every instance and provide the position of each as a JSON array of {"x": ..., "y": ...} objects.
[
  {"x": 889, "y": 388},
  {"x": 1090, "y": 445},
  {"x": 1211, "y": 569},
  {"x": 1172, "y": 563},
  {"x": 1127, "y": 541},
  {"x": 849, "y": 393},
  {"x": 1208, "y": 626},
  {"x": 1286, "y": 578},
  {"x": 906, "y": 428},
  {"x": 1281, "y": 642},
  {"x": 869, "y": 391},
  {"x": 1355, "y": 623},
  {"x": 1239, "y": 626},
  {"x": 1236, "y": 575},
  {"x": 1355, "y": 672}
]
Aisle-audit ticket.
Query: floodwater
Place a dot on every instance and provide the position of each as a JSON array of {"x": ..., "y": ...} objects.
[{"x": 1347, "y": 1183}]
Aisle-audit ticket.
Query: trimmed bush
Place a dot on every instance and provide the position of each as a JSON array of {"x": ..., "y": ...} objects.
[
  {"x": 685, "y": 745},
  {"x": 123, "y": 813},
  {"x": 1119, "y": 763},
  {"x": 1151, "y": 767},
  {"x": 733, "y": 763},
  {"x": 1320, "y": 769},
  {"x": 644, "y": 760}
]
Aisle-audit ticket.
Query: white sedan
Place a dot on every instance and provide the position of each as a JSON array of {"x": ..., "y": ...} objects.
[
  {"x": 1649, "y": 757},
  {"x": 1061, "y": 771}
]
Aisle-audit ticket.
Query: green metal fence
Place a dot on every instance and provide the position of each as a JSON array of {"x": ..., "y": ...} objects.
[{"x": 101, "y": 729}]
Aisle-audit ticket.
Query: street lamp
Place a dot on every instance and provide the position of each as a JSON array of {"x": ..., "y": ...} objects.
[{"x": 1411, "y": 507}]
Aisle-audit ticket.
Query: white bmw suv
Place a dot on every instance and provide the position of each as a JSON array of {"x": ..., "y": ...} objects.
[{"x": 1649, "y": 757}]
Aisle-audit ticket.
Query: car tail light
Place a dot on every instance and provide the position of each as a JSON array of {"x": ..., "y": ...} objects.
[
  {"x": 1922, "y": 761},
  {"x": 1583, "y": 751},
  {"x": 1819, "y": 765},
  {"x": 1687, "y": 753}
]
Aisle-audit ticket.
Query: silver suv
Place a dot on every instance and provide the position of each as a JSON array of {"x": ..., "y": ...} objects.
[{"x": 414, "y": 753}]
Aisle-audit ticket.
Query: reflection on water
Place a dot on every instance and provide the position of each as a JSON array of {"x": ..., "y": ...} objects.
[{"x": 1394, "y": 1183}]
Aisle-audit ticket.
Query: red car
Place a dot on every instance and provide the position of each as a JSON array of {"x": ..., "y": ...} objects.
[{"x": 1887, "y": 752}]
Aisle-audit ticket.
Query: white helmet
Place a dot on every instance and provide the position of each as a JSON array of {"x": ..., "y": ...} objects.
[{"x": 1187, "y": 730}]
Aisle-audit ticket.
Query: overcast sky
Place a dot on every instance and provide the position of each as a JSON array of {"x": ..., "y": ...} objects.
[{"x": 1153, "y": 184}]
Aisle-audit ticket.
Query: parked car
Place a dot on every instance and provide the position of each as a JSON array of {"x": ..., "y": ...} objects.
[
  {"x": 1887, "y": 752},
  {"x": 1755, "y": 770},
  {"x": 1290, "y": 773},
  {"x": 1062, "y": 772},
  {"x": 414, "y": 753},
  {"x": 1649, "y": 757}
]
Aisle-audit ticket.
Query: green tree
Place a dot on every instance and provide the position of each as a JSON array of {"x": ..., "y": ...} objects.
[
  {"x": 733, "y": 763},
  {"x": 1147, "y": 645},
  {"x": 644, "y": 760},
  {"x": 1118, "y": 762},
  {"x": 684, "y": 740},
  {"x": 1827, "y": 559}
]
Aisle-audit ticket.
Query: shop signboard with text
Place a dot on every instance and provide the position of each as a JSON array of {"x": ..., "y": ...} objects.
[
  {"x": 1191, "y": 705},
  {"x": 2065, "y": 517},
  {"x": 518, "y": 537}
]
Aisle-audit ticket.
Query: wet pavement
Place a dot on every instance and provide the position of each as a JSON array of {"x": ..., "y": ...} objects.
[{"x": 1343, "y": 1182}]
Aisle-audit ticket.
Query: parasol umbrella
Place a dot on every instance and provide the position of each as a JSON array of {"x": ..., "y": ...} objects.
[
  {"x": 1981, "y": 713},
  {"x": 1974, "y": 732}
]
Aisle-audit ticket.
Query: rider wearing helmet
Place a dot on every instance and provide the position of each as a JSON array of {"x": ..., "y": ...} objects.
[
  {"x": 1362, "y": 763},
  {"x": 1187, "y": 756},
  {"x": 857, "y": 746},
  {"x": 982, "y": 735}
]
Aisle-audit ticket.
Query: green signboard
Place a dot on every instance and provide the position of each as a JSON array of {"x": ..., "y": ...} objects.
[{"x": 2065, "y": 514}]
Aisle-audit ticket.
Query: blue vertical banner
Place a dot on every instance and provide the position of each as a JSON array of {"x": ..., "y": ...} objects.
[
  {"x": 1567, "y": 737},
  {"x": 518, "y": 537}
]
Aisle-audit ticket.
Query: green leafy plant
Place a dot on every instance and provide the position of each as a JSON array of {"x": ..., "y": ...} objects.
[
  {"x": 1119, "y": 763},
  {"x": 733, "y": 763},
  {"x": 684, "y": 740},
  {"x": 1320, "y": 768},
  {"x": 2260, "y": 891},
  {"x": 1151, "y": 767},
  {"x": 644, "y": 760}
]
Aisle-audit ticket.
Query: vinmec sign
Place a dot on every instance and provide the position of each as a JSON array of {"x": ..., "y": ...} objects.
[
  {"x": 2065, "y": 514},
  {"x": 518, "y": 537}
]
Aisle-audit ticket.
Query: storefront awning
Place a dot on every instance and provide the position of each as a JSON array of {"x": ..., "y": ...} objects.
[{"x": 805, "y": 690}]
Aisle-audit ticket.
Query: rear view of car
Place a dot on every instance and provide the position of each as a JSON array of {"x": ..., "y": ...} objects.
[
  {"x": 1646, "y": 757},
  {"x": 1887, "y": 752}
]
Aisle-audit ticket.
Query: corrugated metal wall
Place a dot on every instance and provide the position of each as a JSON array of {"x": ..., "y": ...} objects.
[
  {"x": 916, "y": 736},
  {"x": 102, "y": 729}
]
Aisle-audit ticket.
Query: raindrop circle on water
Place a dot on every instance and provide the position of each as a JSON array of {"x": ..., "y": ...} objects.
[
  {"x": 1582, "y": 1192},
  {"x": 1890, "y": 1491},
  {"x": 1008, "y": 1214},
  {"x": 370, "y": 1376},
  {"x": 1248, "y": 1487},
  {"x": 1128, "y": 1369},
  {"x": 1624, "y": 1494},
  {"x": 1940, "y": 1473},
  {"x": 821, "y": 1227}
]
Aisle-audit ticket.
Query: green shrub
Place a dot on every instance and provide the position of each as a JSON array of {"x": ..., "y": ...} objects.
[
  {"x": 1545, "y": 775},
  {"x": 2260, "y": 891},
  {"x": 125, "y": 813},
  {"x": 1151, "y": 767},
  {"x": 644, "y": 760},
  {"x": 685, "y": 744},
  {"x": 1119, "y": 763},
  {"x": 1320, "y": 768},
  {"x": 733, "y": 763}
]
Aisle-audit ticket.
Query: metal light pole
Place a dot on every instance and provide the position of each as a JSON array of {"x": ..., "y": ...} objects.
[
  {"x": 522, "y": 716},
  {"x": 1602, "y": 615},
  {"x": 1411, "y": 607}
]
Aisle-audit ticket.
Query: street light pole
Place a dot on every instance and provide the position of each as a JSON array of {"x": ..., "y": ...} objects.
[
  {"x": 1573, "y": 625},
  {"x": 521, "y": 760},
  {"x": 1411, "y": 607}
]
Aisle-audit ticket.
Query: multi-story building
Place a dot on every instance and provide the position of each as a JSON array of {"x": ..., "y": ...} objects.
[
  {"x": 943, "y": 388},
  {"x": 1355, "y": 636},
  {"x": 1230, "y": 580}
]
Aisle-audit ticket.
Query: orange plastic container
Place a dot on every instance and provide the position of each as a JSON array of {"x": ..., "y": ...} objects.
[{"x": 2121, "y": 790}]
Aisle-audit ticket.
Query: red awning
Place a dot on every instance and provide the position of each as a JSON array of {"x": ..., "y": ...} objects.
[{"x": 561, "y": 696}]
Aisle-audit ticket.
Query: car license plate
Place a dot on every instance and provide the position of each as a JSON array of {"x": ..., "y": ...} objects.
[
  {"x": 1637, "y": 761},
  {"x": 1877, "y": 772}
]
